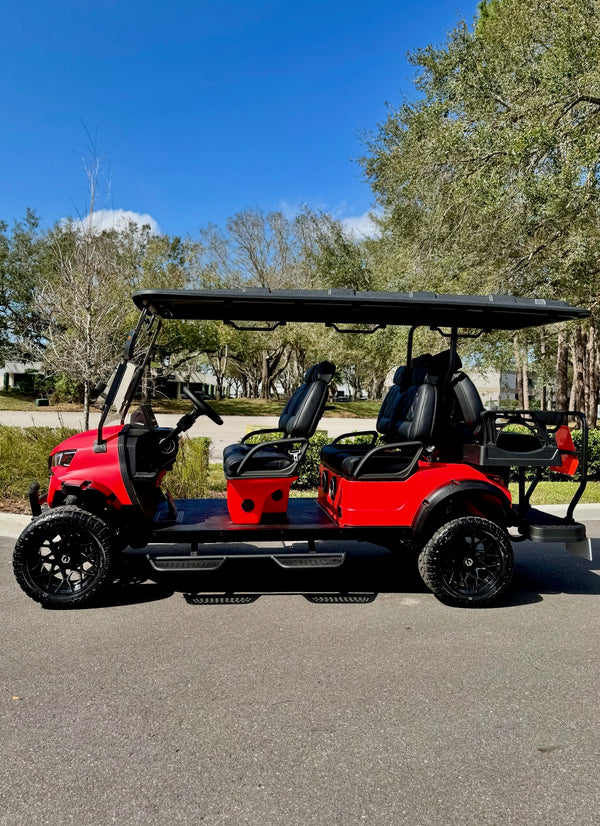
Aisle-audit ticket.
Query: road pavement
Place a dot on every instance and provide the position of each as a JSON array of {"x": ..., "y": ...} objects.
[
  {"x": 284, "y": 712},
  {"x": 232, "y": 429}
]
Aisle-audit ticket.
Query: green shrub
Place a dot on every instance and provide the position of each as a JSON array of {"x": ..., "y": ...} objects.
[
  {"x": 593, "y": 470},
  {"x": 189, "y": 477},
  {"x": 24, "y": 455},
  {"x": 593, "y": 451}
]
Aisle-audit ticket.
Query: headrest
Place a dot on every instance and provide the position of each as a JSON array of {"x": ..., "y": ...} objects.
[
  {"x": 418, "y": 375},
  {"x": 427, "y": 368},
  {"x": 437, "y": 365},
  {"x": 320, "y": 372}
]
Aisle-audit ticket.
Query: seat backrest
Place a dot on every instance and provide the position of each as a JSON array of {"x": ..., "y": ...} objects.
[
  {"x": 408, "y": 414},
  {"x": 468, "y": 405},
  {"x": 301, "y": 414}
]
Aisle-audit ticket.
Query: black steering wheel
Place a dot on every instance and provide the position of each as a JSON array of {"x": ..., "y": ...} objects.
[{"x": 201, "y": 405}]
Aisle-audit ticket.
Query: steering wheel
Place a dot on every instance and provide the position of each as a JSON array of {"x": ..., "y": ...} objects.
[{"x": 202, "y": 406}]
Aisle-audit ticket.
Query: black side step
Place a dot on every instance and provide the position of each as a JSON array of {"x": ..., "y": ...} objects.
[
  {"x": 220, "y": 599},
  {"x": 172, "y": 564},
  {"x": 185, "y": 563}
]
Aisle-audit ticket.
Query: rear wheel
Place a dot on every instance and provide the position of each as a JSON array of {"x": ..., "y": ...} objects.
[
  {"x": 468, "y": 562},
  {"x": 65, "y": 558}
]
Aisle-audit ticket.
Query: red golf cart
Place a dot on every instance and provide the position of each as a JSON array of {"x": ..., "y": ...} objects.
[{"x": 432, "y": 479}]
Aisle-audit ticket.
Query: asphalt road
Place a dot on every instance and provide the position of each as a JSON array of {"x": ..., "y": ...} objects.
[{"x": 398, "y": 711}]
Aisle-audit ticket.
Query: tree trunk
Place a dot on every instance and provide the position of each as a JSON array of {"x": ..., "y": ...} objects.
[
  {"x": 544, "y": 389},
  {"x": 86, "y": 405},
  {"x": 562, "y": 370},
  {"x": 591, "y": 378},
  {"x": 578, "y": 394},
  {"x": 519, "y": 374},
  {"x": 264, "y": 382},
  {"x": 525, "y": 383}
]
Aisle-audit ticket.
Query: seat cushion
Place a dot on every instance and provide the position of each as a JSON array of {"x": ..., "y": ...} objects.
[
  {"x": 347, "y": 461},
  {"x": 266, "y": 459}
]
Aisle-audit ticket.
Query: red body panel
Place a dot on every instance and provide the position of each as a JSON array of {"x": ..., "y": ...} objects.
[
  {"x": 564, "y": 442},
  {"x": 99, "y": 471},
  {"x": 249, "y": 499},
  {"x": 395, "y": 503}
]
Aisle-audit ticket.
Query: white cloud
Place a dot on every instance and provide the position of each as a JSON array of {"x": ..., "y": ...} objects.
[
  {"x": 360, "y": 226},
  {"x": 118, "y": 219},
  {"x": 357, "y": 226}
]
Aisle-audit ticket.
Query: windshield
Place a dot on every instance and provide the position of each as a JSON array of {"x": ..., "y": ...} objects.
[{"x": 123, "y": 385}]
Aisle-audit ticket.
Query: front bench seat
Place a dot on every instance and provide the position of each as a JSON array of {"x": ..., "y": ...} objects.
[{"x": 297, "y": 423}]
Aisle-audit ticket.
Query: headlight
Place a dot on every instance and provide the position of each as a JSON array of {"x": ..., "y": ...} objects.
[{"x": 62, "y": 458}]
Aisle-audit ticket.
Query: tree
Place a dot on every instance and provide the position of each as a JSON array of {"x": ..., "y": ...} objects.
[
  {"x": 22, "y": 261},
  {"x": 489, "y": 180},
  {"x": 84, "y": 304}
]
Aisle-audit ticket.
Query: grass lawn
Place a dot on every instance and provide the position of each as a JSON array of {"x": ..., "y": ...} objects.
[
  {"x": 225, "y": 407},
  {"x": 262, "y": 407},
  {"x": 20, "y": 401},
  {"x": 560, "y": 493}
]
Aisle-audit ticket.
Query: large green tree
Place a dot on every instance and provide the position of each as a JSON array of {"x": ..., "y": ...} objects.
[{"x": 489, "y": 179}]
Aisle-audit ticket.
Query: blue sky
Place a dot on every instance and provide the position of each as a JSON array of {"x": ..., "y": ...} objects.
[{"x": 201, "y": 109}]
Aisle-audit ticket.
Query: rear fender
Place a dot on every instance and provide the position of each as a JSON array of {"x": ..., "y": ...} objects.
[{"x": 466, "y": 498}]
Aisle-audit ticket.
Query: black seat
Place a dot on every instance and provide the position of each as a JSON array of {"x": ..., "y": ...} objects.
[
  {"x": 483, "y": 440},
  {"x": 297, "y": 423},
  {"x": 405, "y": 421}
]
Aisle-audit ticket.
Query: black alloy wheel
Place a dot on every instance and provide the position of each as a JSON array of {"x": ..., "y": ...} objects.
[
  {"x": 468, "y": 562},
  {"x": 65, "y": 558}
]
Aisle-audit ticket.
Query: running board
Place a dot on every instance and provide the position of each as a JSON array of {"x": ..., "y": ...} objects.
[
  {"x": 186, "y": 563},
  {"x": 170, "y": 564},
  {"x": 220, "y": 599},
  {"x": 323, "y": 599},
  {"x": 310, "y": 560}
]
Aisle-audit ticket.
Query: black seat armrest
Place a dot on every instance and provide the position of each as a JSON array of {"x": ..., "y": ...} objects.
[
  {"x": 260, "y": 433},
  {"x": 373, "y": 433},
  {"x": 419, "y": 447},
  {"x": 291, "y": 440}
]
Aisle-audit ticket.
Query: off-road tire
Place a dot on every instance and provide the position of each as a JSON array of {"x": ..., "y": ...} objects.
[
  {"x": 65, "y": 558},
  {"x": 468, "y": 562}
]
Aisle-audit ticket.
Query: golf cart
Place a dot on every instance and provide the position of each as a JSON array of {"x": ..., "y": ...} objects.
[{"x": 431, "y": 480}]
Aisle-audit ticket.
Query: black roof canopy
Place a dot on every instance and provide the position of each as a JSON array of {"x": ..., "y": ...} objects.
[{"x": 496, "y": 312}]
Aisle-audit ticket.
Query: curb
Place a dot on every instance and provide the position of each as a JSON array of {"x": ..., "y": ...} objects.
[{"x": 11, "y": 524}]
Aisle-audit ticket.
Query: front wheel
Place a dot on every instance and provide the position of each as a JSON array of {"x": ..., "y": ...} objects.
[
  {"x": 65, "y": 558},
  {"x": 468, "y": 562}
]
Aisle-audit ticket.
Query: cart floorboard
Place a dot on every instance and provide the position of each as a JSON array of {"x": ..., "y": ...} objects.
[{"x": 207, "y": 520}]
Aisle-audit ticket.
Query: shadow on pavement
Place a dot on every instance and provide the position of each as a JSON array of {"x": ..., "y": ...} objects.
[{"x": 368, "y": 571}]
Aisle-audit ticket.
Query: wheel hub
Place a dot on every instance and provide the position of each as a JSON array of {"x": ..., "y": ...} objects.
[{"x": 468, "y": 561}]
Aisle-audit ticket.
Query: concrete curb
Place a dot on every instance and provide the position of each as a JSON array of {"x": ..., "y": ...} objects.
[{"x": 11, "y": 524}]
